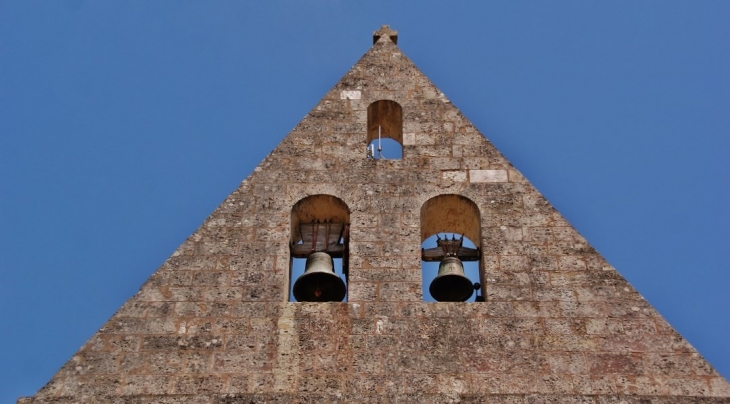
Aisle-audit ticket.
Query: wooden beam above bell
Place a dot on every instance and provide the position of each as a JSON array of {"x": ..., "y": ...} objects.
[
  {"x": 320, "y": 237},
  {"x": 450, "y": 248}
]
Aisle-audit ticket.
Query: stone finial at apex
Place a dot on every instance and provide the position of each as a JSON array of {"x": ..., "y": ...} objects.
[{"x": 385, "y": 31}]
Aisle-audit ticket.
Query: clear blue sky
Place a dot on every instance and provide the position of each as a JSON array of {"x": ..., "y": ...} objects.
[{"x": 124, "y": 124}]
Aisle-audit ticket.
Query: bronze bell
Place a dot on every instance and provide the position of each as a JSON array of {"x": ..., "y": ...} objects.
[
  {"x": 319, "y": 283},
  {"x": 451, "y": 285}
]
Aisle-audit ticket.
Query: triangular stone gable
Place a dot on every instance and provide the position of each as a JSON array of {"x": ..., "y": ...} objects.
[{"x": 213, "y": 324}]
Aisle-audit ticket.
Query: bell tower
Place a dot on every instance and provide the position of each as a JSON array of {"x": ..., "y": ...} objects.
[{"x": 548, "y": 321}]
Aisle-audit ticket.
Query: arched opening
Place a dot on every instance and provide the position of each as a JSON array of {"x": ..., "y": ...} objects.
[
  {"x": 319, "y": 224},
  {"x": 451, "y": 237},
  {"x": 385, "y": 130}
]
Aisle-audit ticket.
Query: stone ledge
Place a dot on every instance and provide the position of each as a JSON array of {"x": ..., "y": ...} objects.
[{"x": 416, "y": 398}]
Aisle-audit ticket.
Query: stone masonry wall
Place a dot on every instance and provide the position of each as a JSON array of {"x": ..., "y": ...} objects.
[{"x": 213, "y": 324}]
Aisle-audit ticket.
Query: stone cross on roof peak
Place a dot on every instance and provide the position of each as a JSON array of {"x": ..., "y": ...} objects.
[{"x": 385, "y": 31}]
